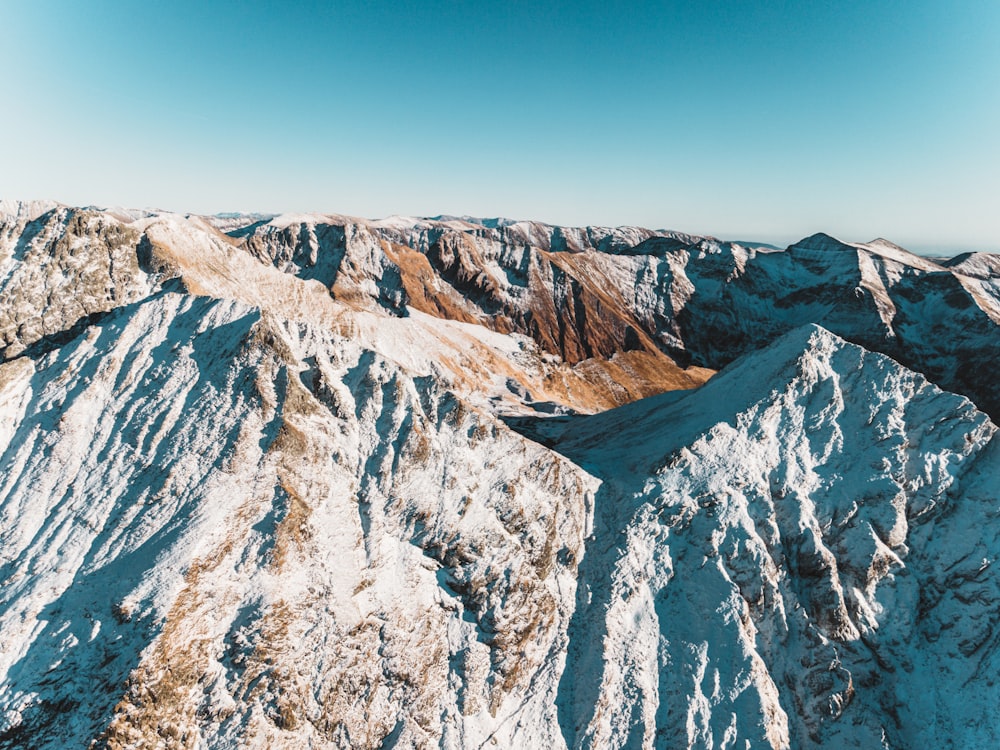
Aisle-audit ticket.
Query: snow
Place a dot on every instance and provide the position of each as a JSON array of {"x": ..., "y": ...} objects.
[
  {"x": 292, "y": 219},
  {"x": 188, "y": 484},
  {"x": 243, "y": 505},
  {"x": 714, "y": 490},
  {"x": 26, "y": 210}
]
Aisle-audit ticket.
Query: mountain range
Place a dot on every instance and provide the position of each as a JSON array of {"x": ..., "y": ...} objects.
[{"x": 321, "y": 481}]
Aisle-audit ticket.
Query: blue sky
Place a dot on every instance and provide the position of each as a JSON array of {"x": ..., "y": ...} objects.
[{"x": 756, "y": 119}]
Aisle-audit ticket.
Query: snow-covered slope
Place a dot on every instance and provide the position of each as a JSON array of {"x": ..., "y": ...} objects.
[
  {"x": 317, "y": 481},
  {"x": 223, "y": 525},
  {"x": 798, "y": 554}
]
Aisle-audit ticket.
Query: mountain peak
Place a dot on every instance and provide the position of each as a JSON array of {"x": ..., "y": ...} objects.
[{"x": 821, "y": 241}]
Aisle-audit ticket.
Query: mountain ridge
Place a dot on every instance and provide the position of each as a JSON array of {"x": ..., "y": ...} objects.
[{"x": 425, "y": 483}]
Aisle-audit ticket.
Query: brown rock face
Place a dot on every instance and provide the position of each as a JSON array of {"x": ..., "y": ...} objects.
[{"x": 562, "y": 299}]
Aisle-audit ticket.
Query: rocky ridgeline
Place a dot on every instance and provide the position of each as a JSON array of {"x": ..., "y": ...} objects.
[{"x": 592, "y": 292}]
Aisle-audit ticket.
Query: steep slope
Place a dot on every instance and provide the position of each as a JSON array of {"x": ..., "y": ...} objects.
[
  {"x": 60, "y": 269},
  {"x": 799, "y": 554},
  {"x": 269, "y": 535},
  {"x": 942, "y": 324},
  {"x": 63, "y": 268},
  {"x": 489, "y": 276},
  {"x": 278, "y": 538}
]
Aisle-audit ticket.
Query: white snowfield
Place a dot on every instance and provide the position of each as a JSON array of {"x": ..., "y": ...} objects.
[{"x": 251, "y": 496}]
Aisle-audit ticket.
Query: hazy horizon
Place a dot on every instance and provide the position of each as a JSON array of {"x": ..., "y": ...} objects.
[
  {"x": 766, "y": 122},
  {"x": 780, "y": 241}
]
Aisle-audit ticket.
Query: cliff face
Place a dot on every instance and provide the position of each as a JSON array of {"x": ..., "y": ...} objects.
[
  {"x": 317, "y": 481},
  {"x": 62, "y": 269}
]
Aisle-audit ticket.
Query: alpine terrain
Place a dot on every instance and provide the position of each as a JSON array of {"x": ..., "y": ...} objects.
[{"x": 315, "y": 481}]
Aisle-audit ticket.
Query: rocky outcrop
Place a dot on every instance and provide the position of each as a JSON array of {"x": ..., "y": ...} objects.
[{"x": 61, "y": 269}]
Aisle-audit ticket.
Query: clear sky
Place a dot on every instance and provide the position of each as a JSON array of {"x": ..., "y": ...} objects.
[{"x": 746, "y": 119}]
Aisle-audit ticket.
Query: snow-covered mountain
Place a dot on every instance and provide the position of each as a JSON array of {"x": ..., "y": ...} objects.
[
  {"x": 596, "y": 292},
  {"x": 319, "y": 481}
]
